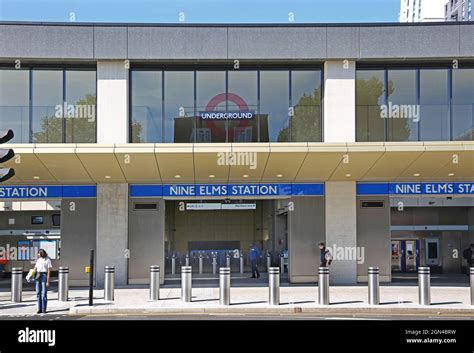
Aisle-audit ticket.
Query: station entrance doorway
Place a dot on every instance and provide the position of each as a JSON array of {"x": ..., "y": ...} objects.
[{"x": 211, "y": 234}]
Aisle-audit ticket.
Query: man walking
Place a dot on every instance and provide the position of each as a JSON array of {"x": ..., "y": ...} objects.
[{"x": 254, "y": 254}]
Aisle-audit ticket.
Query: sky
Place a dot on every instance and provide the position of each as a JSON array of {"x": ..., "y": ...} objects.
[{"x": 201, "y": 11}]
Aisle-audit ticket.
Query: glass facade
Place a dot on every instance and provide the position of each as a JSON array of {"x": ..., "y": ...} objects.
[
  {"x": 225, "y": 106},
  {"x": 49, "y": 105},
  {"x": 415, "y": 104}
]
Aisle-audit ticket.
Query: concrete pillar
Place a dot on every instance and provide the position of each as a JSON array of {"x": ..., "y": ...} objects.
[
  {"x": 339, "y": 101},
  {"x": 341, "y": 229},
  {"x": 112, "y": 231},
  {"x": 112, "y": 102}
]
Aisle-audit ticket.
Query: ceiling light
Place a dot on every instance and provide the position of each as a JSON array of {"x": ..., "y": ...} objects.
[
  {"x": 245, "y": 176},
  {"x": 279, "y": 175},
  {"x": 348, "y": 175},
  {"x": 212, "y": 176},
  {"x": 107, "y": 177},
  {"x": 177, "y": 176},
  {"x": 416, "y": 174},
  {"x": 451, "y": 174},
  {"x": 36, "y": 177}
]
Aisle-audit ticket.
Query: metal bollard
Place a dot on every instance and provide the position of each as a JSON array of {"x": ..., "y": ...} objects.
[
  {"x": 274, "y": 285},
  {"x": 374, "y": 285},
  {"x": 187, "y": 260},
  {"x": 214, "y": 264},
  {"x": 269, "y": 262},
  {"x": 63, "y": 285},
  {"x": 323, "y": 285},
  {"x": 424, "y": 295},
  {"x": 109, "y": 283},
  {"x": 282, "y": 263},
  {"x": 186, "y": 283},
  {"x": 200, "y": 264},
  {"x": 227, "y": 260},
  {"x": 173, "y": 264},
  {"x": 241, "y": 263},
  {"x": 471, "y": 273},
  {"x": 154, "y": 282},
  {"x": 224, "y": 286},
  {"x": 17, "y": 284}
]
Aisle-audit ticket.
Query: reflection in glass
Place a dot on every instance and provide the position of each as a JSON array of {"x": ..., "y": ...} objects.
[
  {"x": 402, "y": 105},
  {"x": 14, "y": 103},
  {"x": 463, "y": 104},
  {"x": 81, "y": 97},
  {"x": 47, "y": 103},
  {"x": 434, "y": 108},
  {"x": 274, "y": 105},
  {"x": 243, "y": 96},
  {"x": 179, "y": 106},
  {"x": 146, "y": 101},
  {"x": 306, "y": 101},
  {"x": 370, "y": 92},
  {"x": 210, "y": 97}
]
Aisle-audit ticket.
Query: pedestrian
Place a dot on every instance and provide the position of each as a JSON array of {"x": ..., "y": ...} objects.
[
  {"x": 42, "y": 280},
  {"x": 254, "y": 254},
  {"x": 468, "y": 254},
  {"x": 325, "y": 255}
]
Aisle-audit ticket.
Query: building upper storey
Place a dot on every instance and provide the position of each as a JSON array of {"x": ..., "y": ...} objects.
[{"x": 140, "y": 83}]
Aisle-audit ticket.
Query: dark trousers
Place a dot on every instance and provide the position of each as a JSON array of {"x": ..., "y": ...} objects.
[{"x": 255, "y": 272}]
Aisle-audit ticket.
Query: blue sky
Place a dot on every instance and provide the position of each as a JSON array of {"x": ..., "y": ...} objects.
[{"x": 201, "y": 11}]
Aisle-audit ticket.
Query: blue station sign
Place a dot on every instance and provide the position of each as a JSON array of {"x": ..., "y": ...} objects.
[
  {"x": 436, "y": 188},
  {"x": 47, "y": 191},
  {"x": 226, "y": 190}
]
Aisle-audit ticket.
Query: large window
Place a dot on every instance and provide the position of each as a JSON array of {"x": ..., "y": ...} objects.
[
  {"x": 146, "y": 103},
  {"x": 463, "y": 104},
  {"x": 49, "y": 105},
  {"x": 434, "y": 105},
  {"x": 306, "y": 95},
  {"x": 210, "y": 97},
  {"x": 415, "y": 104},
  {"x": 225, "y": 106},
  {"x": 179, "y": 106},
  {"x": 14, "y": 103},
  {"x": 370, "y": 98},
  {"x": 402, "y": 105},
  {"x": 47, "y": 123}
]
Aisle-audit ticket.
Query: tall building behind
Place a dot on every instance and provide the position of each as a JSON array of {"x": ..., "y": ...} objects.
[
  {"x": 458, "y": 10},
  {"x": 422, "y": 10}
]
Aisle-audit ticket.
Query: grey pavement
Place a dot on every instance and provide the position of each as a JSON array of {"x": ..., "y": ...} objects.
[{"x": 344, "y": 300}]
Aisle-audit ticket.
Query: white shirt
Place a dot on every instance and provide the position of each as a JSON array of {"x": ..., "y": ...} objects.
[{"x": 43, "y": 264}]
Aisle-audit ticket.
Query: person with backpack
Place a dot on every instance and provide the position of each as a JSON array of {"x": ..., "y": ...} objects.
[
  {"x": 468, "y": 255},
  {"x": 325, "y": 254}
]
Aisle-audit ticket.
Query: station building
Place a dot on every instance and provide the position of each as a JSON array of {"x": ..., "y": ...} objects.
[{"x": 146, "y": 142}]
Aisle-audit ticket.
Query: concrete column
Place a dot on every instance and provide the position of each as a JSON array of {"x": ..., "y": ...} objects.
[
  {"x": 112, "y": 231},
  {"x": 339, "y": 101},
  {"x": 112, "y": 102},
  {"x": 341, "y": 230}
]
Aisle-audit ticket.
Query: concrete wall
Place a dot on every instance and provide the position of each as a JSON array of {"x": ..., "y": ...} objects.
[
  {"x": 78, "y": 237},
  {"x": 112, "y": 102},
  {"x": 146, "y": 239},
  {"x": 339, "y": 101},
  {"x": 373, "y": 235},
  {"x": 188, "y": 41},
  {"x": 112, "y": 231},
  {"x": 341, "y": 229},
  {"x": 306, "y": 226}
]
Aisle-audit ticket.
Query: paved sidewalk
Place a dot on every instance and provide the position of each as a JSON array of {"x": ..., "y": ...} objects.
[{"x": 296, "y": 299}]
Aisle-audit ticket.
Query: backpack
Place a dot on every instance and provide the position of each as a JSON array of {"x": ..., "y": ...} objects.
[{"x": 328, "y": 256}]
